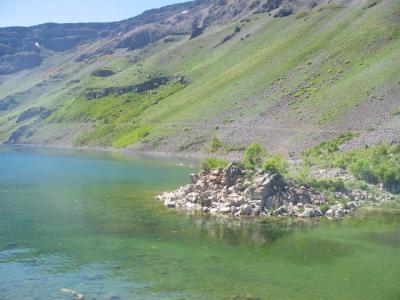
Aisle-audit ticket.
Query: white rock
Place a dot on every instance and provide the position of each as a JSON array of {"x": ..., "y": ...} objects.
[{"x": 225, "y": 209}]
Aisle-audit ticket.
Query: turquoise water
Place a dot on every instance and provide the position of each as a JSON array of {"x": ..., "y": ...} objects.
[{"x": 88, "y": 222}]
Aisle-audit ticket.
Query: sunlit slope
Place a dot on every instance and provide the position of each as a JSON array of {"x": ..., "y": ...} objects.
[{"x": 284, "y": 82}]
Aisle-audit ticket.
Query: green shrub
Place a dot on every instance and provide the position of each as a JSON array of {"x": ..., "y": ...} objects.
[
  {"x": 379, "y": 164},
  {"x": 216, "y": 145},
  {"x": 275, "y": 164},
  {"x": 371, "y": 3},
  {"x": 325, "y": 207},
  {"x": 212, "y": 162},
  {"x": 361, "y": 168},
  {"x": 253, "y": 156},
  {"x": 329, "y": 6},
  {"x": 321, "y": 154},
  {"x": 396, "y": 112},
  {"x": 302, "y": 14},
  {"x": 329, "y": 184}
]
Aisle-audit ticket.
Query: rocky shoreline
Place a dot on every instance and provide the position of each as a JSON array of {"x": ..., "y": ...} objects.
[{"x": 236, "y": 192}]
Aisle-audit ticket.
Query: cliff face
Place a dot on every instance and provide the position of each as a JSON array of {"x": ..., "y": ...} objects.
[{"x": 26, "y": 47}]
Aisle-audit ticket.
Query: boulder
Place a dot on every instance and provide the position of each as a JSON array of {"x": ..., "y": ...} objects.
[
  {"x": 193, "y": 178},
  {"x": 193, "y": 197},
  {"x": 206, "y": 198},
  {"x": 225, "y": 209},
  {"x": 169, "y": 203},
  {"x": 231, "y": 174},
  {"x": 245, "y": 209},
  {"x": 215, "y": 179},
  {"x": 235, "y": 200},
  {"x": 201, "y": 185}
]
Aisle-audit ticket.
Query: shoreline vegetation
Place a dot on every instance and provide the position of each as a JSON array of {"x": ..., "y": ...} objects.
[
  {"x": 321, "y": 181},
  {"x": 325, "y": 181}
]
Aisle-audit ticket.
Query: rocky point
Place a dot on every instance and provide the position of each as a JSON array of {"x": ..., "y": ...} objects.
[{"x": 235, "y": 191}]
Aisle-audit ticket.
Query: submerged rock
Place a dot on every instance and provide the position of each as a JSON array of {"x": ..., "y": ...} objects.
[{"x": 75, "y": 294}]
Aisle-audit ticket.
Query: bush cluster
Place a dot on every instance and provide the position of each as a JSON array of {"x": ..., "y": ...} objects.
[
  {"x": 322, "y": 154},
  {"x": 254, "y": 157},
  {"x": 212, "y": 163},
  {"x": 379, "y": 164}
]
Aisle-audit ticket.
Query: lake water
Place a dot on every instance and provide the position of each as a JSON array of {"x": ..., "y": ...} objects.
[{"x": 89, "y": 222}]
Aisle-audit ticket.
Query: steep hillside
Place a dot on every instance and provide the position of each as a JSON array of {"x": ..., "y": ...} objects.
[{"x": 286, "y": 74}]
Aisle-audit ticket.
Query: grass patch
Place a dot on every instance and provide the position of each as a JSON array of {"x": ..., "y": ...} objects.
[
  {"x": 112, "y": 115},
  {"x": 114, "y": 109},
  {"x": 395, "y": 112},
  {"x": 99, "y": 135},
  {"x": 302, "y": 14},
  {"x": 216, "y": 146},
  {"x": 132, "y": 137},
  {"x": 329, "y": 6}
]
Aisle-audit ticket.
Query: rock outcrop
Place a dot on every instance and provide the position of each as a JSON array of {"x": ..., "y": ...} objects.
[
  {"x": 150, "y": 84},
  {"x": 26, "y": 47},
  {"x": 103, "y": 73},
  {"x": 20, "y": 133},
  {"x": 42, "y": 112},
  {"x": 234, "y": 191},
  {"x": 7, "y": 103}
]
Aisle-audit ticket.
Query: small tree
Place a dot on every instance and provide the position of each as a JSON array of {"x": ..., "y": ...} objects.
[
  {"x": 275, "y": 164},
  {"x": 216, "y": 145},
  {"x": 253, "y": 156}
]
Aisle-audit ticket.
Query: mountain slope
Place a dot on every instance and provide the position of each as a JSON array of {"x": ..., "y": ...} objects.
[{"x": 287, "y": 74}]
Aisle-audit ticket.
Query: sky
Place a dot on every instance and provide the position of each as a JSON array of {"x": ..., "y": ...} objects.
[{"x": 33, "y": 12}]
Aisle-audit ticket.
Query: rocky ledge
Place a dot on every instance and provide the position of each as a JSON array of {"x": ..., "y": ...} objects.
[{"x": 234, "y": 191}]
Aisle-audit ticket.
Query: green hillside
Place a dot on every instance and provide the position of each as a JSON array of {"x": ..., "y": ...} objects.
[{"x": 285, "y": 82}]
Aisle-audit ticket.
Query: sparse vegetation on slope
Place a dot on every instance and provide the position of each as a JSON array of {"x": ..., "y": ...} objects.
[
  {"x": 116, "y": 118},
  {"x": 286, "y": 83}
]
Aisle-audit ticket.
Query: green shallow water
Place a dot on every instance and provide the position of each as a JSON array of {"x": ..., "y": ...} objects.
[{"x": 88, "y": 222}]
